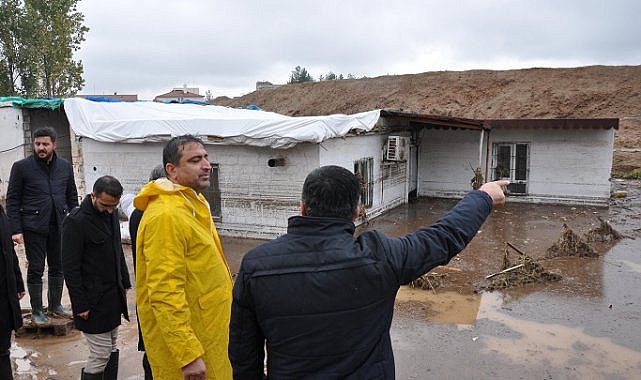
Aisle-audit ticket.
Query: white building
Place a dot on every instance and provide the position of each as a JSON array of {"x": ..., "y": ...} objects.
[{"x": 260, "y": 159}]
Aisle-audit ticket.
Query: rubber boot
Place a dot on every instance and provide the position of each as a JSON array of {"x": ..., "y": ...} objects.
[
  {"x": 38, "y": 317},
  {"x": 54, "y": 296},
  {"x": 91, "y": 376},
  {"x": 6, "y": 371},
  {"x": 111, "y": 370}
]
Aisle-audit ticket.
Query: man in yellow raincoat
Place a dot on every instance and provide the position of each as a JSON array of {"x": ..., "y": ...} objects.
[{"x": 183, "y": 283}]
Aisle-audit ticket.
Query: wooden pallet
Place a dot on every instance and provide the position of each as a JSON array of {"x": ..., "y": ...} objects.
[{"x": 58, "y": 326}]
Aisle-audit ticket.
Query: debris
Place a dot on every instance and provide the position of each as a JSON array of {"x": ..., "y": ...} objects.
[
  {"x": 570, "y": 244},
  {"x": 429, "y": 281},
  {"x": 524, "y": 271},
  {"x": 619, "y": 194},
  {"x": 603, "y": 233},
  {"x": 477, "y": 181}
]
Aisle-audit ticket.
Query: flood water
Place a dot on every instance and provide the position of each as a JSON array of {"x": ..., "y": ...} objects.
[{"x": 585, "y": 326}]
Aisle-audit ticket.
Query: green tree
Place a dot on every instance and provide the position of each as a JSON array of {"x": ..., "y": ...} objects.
[
  {"x": 58, "y": 32},
  {"x": 37, "y": 43},
  {"x": 330, "y": 76},
  {"x": 16, "y": 58},
  {"x": 300, "y": 75}
]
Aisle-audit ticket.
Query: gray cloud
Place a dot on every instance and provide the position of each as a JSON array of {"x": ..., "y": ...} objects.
[{"x": 147, "y": 47}]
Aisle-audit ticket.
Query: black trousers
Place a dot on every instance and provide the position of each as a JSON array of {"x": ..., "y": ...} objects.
[
  {"x": 39, "y": 246},
  {"x": 6, "y": 327}
]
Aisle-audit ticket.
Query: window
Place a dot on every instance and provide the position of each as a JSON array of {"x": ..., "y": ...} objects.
[
  {"x": 364, "y": 171},
  {"x": 212, "y": 193},
  {"x": 511, "y": 161}
]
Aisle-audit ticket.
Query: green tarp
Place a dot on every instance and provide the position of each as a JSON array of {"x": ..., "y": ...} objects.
[{"x": 18, "y": 102}]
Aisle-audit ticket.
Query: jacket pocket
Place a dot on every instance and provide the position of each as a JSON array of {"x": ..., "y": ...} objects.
[
  {"x": 26, "y": 211},
  {"x": 96, "y": 241}
]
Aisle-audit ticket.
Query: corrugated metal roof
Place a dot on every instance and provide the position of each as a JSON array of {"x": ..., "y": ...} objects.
[{"x": 435, "y": 121}]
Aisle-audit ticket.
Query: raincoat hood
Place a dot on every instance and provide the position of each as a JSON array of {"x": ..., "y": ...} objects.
[{"x": 161, "y": 186}]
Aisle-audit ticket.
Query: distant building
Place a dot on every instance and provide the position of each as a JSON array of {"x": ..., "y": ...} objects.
[
  {"x": 180, "y": 94},
  {"x": 115, "y": 96},
  {"x": 263, "y": 85}
]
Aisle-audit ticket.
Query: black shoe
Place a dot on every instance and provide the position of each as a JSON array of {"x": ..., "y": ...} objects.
[{"x": 91, "y": 376}]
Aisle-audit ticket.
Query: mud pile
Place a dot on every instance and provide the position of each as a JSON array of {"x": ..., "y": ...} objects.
[
  {"x": 524, "y": 270},
  {"x": 570, "y": 244},
  {"x": 603, "y": 234},
  {"x": 429, "y": 281}
]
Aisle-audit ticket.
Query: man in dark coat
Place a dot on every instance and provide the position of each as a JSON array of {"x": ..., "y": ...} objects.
[
  {"x": 96, "y": 274},
  {"x": 41, "y": 192},
  {"x": 321, "y": 300},
  {"x": 11, "y": 291}
]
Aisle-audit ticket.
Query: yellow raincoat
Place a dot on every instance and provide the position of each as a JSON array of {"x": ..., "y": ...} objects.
[{"x": 183, "y": 283}]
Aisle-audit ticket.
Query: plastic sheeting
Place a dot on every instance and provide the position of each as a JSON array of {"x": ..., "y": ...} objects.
[
  {"x": 18, "y": 102},
  {"x": 146, "y": 121}
]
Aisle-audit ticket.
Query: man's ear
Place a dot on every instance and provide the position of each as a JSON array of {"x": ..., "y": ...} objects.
[
  {"x": 170, "y": 169},
  {"x": 302, "y": 208}
]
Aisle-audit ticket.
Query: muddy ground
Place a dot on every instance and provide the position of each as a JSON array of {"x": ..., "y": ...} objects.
[{"x": 587, "y": 325}]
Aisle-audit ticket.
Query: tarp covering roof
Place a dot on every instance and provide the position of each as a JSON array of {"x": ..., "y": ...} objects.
[
  {"x": 149, "y": 121},
  {"x": 18, "y": 102}
]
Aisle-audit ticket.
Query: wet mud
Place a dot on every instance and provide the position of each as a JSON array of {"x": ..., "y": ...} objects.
[{"x": 585, "y": 325}]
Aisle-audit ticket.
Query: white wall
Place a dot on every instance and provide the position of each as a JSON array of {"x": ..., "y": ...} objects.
[
  {"x": 11, "y": 145},
  {"x": 446, "y": 162},
  {"x": 390, "y": 179},
  {"x": 129, "y": 163},
  {"x": 258, "y": 199},
  {"x": 566, "y": 166}
]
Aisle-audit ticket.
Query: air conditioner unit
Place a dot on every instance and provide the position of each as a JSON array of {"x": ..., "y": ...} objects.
[{"x": 397, "y": 148}]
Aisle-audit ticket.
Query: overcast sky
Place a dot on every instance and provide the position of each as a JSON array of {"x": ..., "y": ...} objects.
[{"x": 147, "y": 47}]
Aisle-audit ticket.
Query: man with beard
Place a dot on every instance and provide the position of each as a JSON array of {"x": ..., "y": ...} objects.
[
  {"x": 183, "y": 282},
  {"x": 41, "y": 192},
  {"x": 97, "y": 275}
]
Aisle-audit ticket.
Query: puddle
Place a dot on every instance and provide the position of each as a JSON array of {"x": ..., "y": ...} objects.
[
  {"x": 439, "y": 307},
  {"x": 557, "y": 345},
  {"x": 587, "y": 325}
]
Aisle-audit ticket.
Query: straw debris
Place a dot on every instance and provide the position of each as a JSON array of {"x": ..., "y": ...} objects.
[
  {"x": 524, "y": 270},
  {"x": 570, "y": 244},
  {"x": 429, "y": 281},
  {"x": 604, "y": 233}
]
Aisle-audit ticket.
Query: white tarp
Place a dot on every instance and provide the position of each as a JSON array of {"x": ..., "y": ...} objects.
[{"x": 147, "y": 121}]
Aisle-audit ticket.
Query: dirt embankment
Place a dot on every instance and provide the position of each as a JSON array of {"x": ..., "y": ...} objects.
[{"x": 584, "y": 92}]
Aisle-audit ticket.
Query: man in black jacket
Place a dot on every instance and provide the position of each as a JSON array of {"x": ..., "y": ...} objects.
[
  {"x": 11, "y": 291},
  {"x": 321, "y": 299},
  {"x": 41, "y": 192},
  {"x": 97, "y": 275}
]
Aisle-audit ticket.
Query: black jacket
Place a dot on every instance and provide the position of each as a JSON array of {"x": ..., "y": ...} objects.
[
  {"x": 12, "y": 274},
  {"x": 36, "y": 190},
  {"x": 323, "y": 300},
  {"x": 94, "y": 267}
]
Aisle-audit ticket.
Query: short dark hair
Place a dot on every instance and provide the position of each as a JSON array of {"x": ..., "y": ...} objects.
[
  {"x": 108, "y": 184},
  {"x": 331, "y": 191},
  {"x": 157, "y": 172},
  {"x": 172, "y": 151},
  {"x": 45, "y": 132}
]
